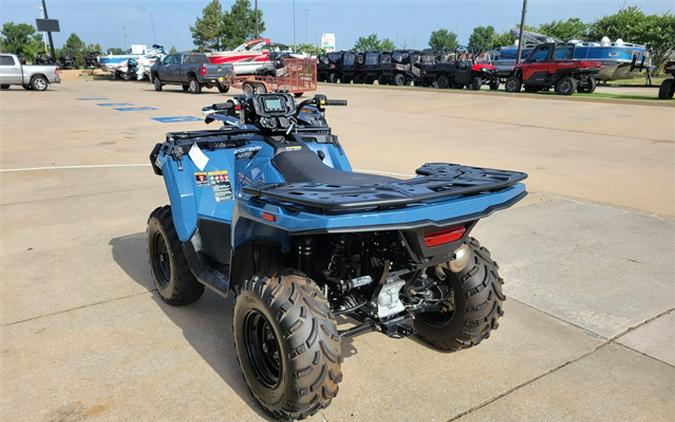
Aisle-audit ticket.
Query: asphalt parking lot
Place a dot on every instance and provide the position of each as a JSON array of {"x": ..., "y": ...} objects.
[{"x": 588, "y": 258}]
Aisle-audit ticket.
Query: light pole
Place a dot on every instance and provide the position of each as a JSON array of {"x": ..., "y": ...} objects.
[
  {"x": 152, "y": 22},
  {"x": 294, "y": 43},
  {"x": 257, "y": 30},
  {"x": 49, "y": 34},
  {"x": 520, "y": 34},
  {"x": 306, "y": 12}
]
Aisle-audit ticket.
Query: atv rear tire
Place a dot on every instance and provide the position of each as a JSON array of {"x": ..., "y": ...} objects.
[
  {"x": 287, "y": 345},
  {"x": 478, "y": 298},
  {"x": 476, "y": 83},
  {"x": 170, "y": 271},
  {"x": 513, "y": 84},
  {"x": 566, "y": 86},
  {"x": 667, "y": 89}
]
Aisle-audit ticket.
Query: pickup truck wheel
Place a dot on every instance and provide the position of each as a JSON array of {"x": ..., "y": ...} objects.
[
  {"x": 513, "y": 84},
  {"x": 476, "y": 293},
  {"x": 566, "y": 86},
  {"x": 170, "y": 271},
  {"x": 287, "y": 344},
  {"x": 666, "y": 89},
  {"x": 194, "y": 87},
  {"x": 157, "y": 83},
  {"x": 4, "y": 86},
  {"x": 223, "y": 88},
  {"x": 39, "y": 83}
]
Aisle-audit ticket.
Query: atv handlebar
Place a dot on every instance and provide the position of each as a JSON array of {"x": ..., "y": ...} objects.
[
  {"x": 218, "y": 107},
  {"x": 336, "y": 102}
]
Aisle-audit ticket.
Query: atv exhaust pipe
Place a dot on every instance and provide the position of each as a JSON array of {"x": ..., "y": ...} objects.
[{"x": 460, "y": 260}]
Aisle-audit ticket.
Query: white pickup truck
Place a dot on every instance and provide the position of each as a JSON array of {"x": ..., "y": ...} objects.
[{"x": 37, "y": 78}]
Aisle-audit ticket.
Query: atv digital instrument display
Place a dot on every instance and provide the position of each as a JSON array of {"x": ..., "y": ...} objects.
[{"x": 273, "y": 104}]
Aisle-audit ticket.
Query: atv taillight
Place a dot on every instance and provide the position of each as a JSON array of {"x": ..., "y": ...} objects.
[
  {"x": 444, "y": 236},
  {"x": 203, "y": 70}
]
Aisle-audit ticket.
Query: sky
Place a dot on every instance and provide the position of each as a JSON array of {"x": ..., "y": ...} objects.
[{"x": 406, "y": 22}]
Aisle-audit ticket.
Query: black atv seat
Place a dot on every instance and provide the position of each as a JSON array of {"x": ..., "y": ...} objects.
[{"x": 304, "y": 166}]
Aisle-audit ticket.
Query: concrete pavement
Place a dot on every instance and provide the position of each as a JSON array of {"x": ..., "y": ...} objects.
[{"x": 588, "y": 260}]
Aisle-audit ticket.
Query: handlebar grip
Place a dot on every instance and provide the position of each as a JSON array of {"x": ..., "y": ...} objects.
[
  {"x": 336, "y": 102},
  {"x": 218, "y": 107}
]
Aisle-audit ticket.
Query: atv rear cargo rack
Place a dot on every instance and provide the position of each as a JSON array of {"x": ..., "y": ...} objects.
[{"x": 435, "y": 181}]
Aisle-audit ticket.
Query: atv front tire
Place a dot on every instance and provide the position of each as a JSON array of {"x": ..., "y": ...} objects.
[
  {"x": 287, "y": 345},
  {"x": 170, "y": 271},
  {"x": 477, "y": 296}
]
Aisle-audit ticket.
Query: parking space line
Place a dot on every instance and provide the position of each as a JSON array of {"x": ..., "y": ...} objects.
[{"x": 76, "y": 167}]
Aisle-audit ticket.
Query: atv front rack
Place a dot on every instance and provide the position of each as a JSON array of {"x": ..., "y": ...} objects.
[{"x": 435, "y": 181}]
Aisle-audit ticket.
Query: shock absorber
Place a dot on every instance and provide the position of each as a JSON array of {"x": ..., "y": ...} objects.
[{"x": 305, "y": 250}]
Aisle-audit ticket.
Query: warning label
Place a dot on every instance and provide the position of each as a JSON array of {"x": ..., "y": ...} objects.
[{"x": 220, "y": 183}]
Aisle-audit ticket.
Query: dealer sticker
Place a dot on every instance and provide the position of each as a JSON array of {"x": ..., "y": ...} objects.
[
  {"x": 201, "y": 179},
  {"x": 220, "y": 183}
]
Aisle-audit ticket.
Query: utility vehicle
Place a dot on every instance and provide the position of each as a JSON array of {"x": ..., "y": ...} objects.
[
  {"x": 352, "y": 68},
  {"x": 462, "y": 71},
  {"x": 400, "y": 67},
  {"x": 328, "y": 67},
  {"x": 268, "y": 207},
  {"x": 551, "y": 65},
  {"x": 667, "y": 88}
]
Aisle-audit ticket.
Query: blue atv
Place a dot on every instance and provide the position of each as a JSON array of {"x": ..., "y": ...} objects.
[{"x": 268, "y": 207}]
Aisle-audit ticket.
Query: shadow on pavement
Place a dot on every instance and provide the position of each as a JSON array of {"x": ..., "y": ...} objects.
[{"x": 206, "y": 324}]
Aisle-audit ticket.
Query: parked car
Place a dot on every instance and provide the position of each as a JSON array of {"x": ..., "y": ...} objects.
[
  {"x": 35, "y": 77},
  {"x": 551, "y": 65},
  {"x": 192, "y": 71}
]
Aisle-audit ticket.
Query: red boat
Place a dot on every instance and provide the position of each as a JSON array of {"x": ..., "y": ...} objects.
[{"x": 252, "y": 56}]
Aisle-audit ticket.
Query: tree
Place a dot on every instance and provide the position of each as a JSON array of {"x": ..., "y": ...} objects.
[
  {"x": 571, "y": 29},
  {"x": 483, "y": 38},
  {"x": 656, "y": 32},
  {"x": 74, "y": 47},
  {"x": 386, "y": 45},
  {"x": 442, "y": 39},
  {"x": 173, "y": 50},
  {"x": 21, "y": 39},
  {"x": 504, "y": 39},
  {"x": 371, "y": 42},
  {"x": 116, "y": 51},
  {"x": 239, "y": 24},
  {"x": 310, "y": 49},
  {"x": 208, "y": 31}
]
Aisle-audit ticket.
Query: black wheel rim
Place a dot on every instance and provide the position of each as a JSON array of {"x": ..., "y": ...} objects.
[
  {"x": 160, "y": 260},
  {"x": 263, "y": 349}
]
